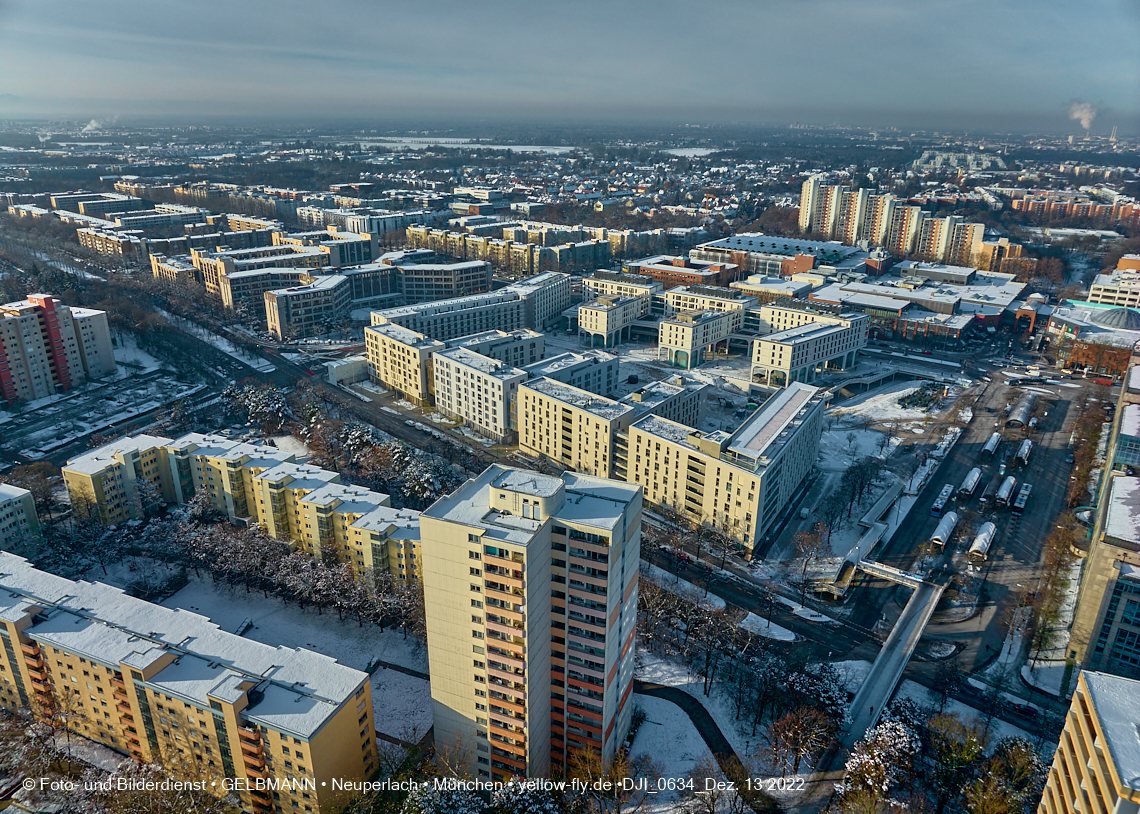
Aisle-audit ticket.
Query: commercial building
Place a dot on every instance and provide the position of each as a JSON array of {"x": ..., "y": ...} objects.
[
  {"x": 769, "y": 289},
  {"x": 1097, "y": 762},
  {"x": 1097, "y": 337},
  {"x": 46, "y": 347},
  {"x": 429, "y": 282},
  {"x": 515, "y": 348},
  {"x": 580, "y": 430},
  {"x": 739, "y": 482},
  {"x": 618, "y": 284},
  {"x": 592, "y": 370},
  {"x": 685, "y": 338},
  {"x": 477, "y": 389},
  {"x": 400, "y": 359},
  {"x": 530, "y": 589},
  {"x": 19, "y": 522},
  {"x": 756, "y": 253},
  {"x": 170, "y": 687},
  {"x": 672, "y": 271},
  {"x": 1121, "y": 287}
]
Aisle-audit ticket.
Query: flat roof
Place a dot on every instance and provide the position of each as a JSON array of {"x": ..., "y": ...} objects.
[
  {"x": 582, "y": 399},
  {"x": 570, "y": 359},
  {"x": 1122, "y": 518},
  {"x": 405, "y": 336},
  {"x": 98, "y": 459},
  {"x": 803, "y": 333},
  {"x": 757, "y": 435},
  {"x": 481, "y": 363},
  {"x": 785, "y": 246},
  {"x": 1117, "y": 703}
]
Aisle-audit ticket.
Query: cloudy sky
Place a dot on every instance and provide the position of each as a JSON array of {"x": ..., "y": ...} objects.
[{"x": 1018, "y": 64}]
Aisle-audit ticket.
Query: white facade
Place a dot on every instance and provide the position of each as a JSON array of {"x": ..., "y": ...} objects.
[{"x": 479, "y": 390}]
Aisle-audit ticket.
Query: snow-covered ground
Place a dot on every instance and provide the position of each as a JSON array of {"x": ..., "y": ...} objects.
[
  {"x": 998, "y": 728},
  {"x": 128, "y": 354},
  {"x": 289, "y": 444},
  {"x": 670, "y": 739},
  {"x": 660, "y": 670},
  {"x": 843, "y": 444},
  {"x": 853, "y": 673},
  {"x": 881, "y": 404},
  {"x": 769, "y": 630},
  {"x": 1048, "y": 676},
  {"x": 682, "y": 587},
  {"x": 220, "y": 342},
  {"x": 276, "y": 623},
  {"x": 401, "y": 705}
]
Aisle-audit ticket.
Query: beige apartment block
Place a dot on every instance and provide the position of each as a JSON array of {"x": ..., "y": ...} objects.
[
  {"x": 450, "y": 319},
  {"x": 530, "y": 586},
  {"x": 170, "y": 687},
  {"x": 735, "y": 482},
  {"x": 108, "y": 482},
  {"x": 480, "y": 391},
  {"x": 607, "y": 321},
  {"x": 803, "y": 352},
  {"x": 47, "y": 347},
  {"x": 1097, "y": 763},
  {"x": 19, "y": 521},
  {"x": 580, "y": 430},
  {"x": 686, "y": 339},
  {"x": 174, "y": 270},
  {"x": 428, "y": 282},
  {"x": 705, "y": 298},
  {"x": 214, "y": 266},
  {"x": 400, "y": 359},
  {"x": 309, "y": 308},
  {"x": 617, "y": 284}
]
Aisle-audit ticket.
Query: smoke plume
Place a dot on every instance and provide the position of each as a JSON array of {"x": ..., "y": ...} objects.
[
  {"x": 94, "y": 126},
  {"x": 1083, "y": 112}
]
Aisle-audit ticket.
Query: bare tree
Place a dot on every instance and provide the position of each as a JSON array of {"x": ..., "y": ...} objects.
[{"x": 796, "y": 735}]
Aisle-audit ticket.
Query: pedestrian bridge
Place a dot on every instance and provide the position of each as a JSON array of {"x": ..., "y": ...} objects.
[{"x": 890, "y": 573}]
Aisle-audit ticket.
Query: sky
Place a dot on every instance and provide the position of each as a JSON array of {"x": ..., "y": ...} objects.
[{"x": 966, "y": 64}]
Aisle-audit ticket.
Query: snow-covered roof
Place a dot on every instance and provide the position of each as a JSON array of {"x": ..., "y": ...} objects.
[
  {"x": 1130, "y": 420},
  {"x": 483, "y": 364},
  {"x": 803, "y": 333},
  {"x": 592, "y": 403},
  {"x": 303, "y": 689},
  {"x": 1122, "y": 519},
  {"x": 9, "y": 492},
  {"x": 1116, "y": 701},
  {"x": 571, "y": 360},
  {"x": 405, "y": 336},
  {"x": 771, "y": 424},
  {"x": 96, "y": 460}
]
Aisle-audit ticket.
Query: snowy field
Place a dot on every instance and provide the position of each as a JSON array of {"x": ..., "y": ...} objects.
[
  {"x": 769, "y": 630},
  {"x": 401, "y": 705},
  {"x": 671, "y": 740},
  {"x": 881, "y": 404},
  {"x": 842, "y": 445},
  {"x": 660, "y": 670}
]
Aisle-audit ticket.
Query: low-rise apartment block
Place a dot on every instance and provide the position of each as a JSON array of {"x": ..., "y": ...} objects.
[
  {"x": 617, "y": 284},
  {"x": 1097, "y": 762},
  {"x": 737, "y": 482},
  {"x": 801, "y": 353},
  {"x": 171, "y": 687},
  {"x": 400, "y": 359},
  {"x": 608, "y": 321},
  {"x": 19, "y": 522},
  {"x": 686, "y": 338},
  {"x": 173, "y": 270},
  {"x": 215, "y": 265},
  {"x": 339, "y": 248},
  {"x": 449, "y": 319},
  {"x": 46, "y": 347},
  {"x": 530, "y": 586},
  {"x": 592, "y": 370},
  {"x": 704, "y": 298},
  {"x": 477, "y": 389},
  {"x": 429, "y": 282}
]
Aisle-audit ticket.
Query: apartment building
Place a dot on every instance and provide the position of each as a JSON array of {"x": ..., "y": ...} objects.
[
  {"x": 46, "y": 347},
  {"x": 449, "y": 319},
  {"x": 618, "y": 284},
  {"x": 518, "y": 258},
  {"x": 736, "y": 482},
  {"x": 515, "y": 348},
  {"x": 339, "y": 248},
  {"x": 308, "y": 308},
  {"x": 770, "y": 289},
  {"x": 400, "y": 359},
  {"x": 171, "y": 687},
  {"x": 608, "y": 321},
  {"x": 703, "y": 298},
  {"x": 247, "y": 289},
  {"x": 126, "y": 244},
  {"x": 479, "y": 390},
  {"x": 580, "y": 430},
  {"x": 803, "y": 352},
  {"x": 592, "y": 370},
  {"x": 95, "y": 203},
  {"x": 545, "y": 296},
  {"x": 19, "y": 522},
  {"x": 215, "y": 265},
  {"x": 163, "y": 215},
  {"x": 530, "y": 588},
  {"x": 174, "y": 270},
  {"x": 686, "y": 338},
  {"x": 429, "y": 282},
  {"x": 1097, "y": 762}
]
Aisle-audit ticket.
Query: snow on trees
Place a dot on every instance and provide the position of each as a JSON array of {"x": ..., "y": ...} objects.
[
  {"x": 880, "y": 762},
  {"x": 427, "y": 798}
]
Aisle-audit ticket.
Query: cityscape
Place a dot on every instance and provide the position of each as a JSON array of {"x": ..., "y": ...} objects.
[{"x": 520, "y": 426}]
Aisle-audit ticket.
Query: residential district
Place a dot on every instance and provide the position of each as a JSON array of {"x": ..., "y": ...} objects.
[{"x": 677, "y": 474}]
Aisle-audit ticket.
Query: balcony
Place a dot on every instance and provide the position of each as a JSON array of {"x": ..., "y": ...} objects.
[
  {"x": 251, "y": 735},
  {"x": 253, "y": 749},
  {"x": 509, "y": 722},
  {"x": 510, "y": 598},
  {"x": 255, "y": 767},
  {"x": 506, "y": 630},
  {"x": 30, "y": 649},
  {"x": 510, "y": 678},
  {"x": 507, "y": 657},
  {"x": 38, "y": 675},
  {"x": 502, "y": 562},
  {"x": 34, "y": 661},
  {"x": 117, "y": 685}
]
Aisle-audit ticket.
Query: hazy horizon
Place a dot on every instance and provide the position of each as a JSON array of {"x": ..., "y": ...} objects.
[{"x": 1019, "y": 66}]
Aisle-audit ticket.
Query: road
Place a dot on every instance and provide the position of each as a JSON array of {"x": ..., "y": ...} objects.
[{"x": 887, "y": 670}]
